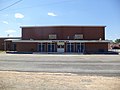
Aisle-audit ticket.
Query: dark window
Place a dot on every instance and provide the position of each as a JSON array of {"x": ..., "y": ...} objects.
[{"x": 101, "y": 50}]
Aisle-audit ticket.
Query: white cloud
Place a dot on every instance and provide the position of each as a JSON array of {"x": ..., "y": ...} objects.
[
  {"x": 19, "y": 15},
  {"x": 51, "y": 14},
  {"x": 10, "y": 31},
  {"x": 5, "y": 22}
]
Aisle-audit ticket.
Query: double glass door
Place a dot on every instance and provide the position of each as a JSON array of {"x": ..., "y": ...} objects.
[
  {"x": 69, "y": 47},
  {"x": 75, "y": 47},
  {"x": 80, "y": 47},
  {"x": 51, "y": 47},
  {"x": 42, "y": 47}
]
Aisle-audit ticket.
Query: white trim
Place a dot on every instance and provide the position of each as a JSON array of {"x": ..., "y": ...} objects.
[
  {"x": 83, "y": 48},
  {"x": 41, "y": 47},
  {"x": 38, "y": 47},
  {"x": 70, "y": 46},
  {"x": 61, "y": 26},
  {"x": 80, "y": 47},
  {"x": 69, "y": 41},
  {"x": 11, "y": 39}
]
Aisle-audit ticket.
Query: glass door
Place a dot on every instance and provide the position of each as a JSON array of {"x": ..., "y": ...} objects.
[
  {"x": 80, "y": 47},
  {"x": 51, "y": 47},
  {"x": 41, "y": 47},
  {"x": 70, "y": 47}
]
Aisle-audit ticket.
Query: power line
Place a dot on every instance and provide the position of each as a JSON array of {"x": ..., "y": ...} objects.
[
  {"x": 11, "y": 5},
  {"x": 41, "y": 5}
]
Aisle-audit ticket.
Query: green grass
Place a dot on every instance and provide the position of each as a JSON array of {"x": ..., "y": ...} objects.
[{"x": 1, "y": 51}]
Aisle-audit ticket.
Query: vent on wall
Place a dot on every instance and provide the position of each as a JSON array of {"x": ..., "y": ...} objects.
[
  {"x": 52, "y": 36},
  {"x": 78, "y": 36}
]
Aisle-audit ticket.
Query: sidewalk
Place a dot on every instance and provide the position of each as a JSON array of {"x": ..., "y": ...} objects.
[{"x": 55, "y": 81}]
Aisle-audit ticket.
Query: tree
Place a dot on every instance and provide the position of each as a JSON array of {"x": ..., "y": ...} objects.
[{"x": 117, "y": 41}]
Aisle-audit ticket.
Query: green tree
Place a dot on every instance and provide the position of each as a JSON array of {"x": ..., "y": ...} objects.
[{"x": 117, "y": 41}]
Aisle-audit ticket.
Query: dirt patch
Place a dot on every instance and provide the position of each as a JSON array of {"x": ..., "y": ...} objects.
[{"x": 55, "y": 81}]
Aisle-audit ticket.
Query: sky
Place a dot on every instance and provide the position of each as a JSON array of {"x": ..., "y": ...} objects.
[{"x": 17, "y": 13}]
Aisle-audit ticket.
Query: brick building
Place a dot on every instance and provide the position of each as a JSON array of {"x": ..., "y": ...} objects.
[
  {"x": 60, "y": 39},
  {"x": 2, "y": 39}
]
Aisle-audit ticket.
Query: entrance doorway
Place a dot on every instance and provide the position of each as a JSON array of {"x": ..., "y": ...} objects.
[
  {"x": 70, "y": 47},
  {"x": 80, "y": 47},
  {"x": 42, "y": 47},
  {"x": 60, "y": 47},
  {"x": 51, "y": 47},
  {"x": 14, "y": 47}
]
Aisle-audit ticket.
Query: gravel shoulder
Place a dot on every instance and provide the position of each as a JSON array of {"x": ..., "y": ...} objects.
[{"x": 10, "y": 80}]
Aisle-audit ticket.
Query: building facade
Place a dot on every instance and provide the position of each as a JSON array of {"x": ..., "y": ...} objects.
[
  {"x": 2, "y": 44},
  {"x": 60, "y": 39}
]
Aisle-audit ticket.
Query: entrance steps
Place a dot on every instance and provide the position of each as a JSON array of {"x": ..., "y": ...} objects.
[{"x": 68, "y": 53}]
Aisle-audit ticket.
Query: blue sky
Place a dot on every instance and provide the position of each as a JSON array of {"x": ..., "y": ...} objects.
[{"x": 59, "y": 12}]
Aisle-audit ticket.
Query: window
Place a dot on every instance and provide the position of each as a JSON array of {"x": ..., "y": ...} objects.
[
  {"x": 52, "y": 36},
  {"x": 78, "y": 36}
]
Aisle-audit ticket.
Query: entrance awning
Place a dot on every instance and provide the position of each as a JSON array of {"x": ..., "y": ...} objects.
[{"x": 61, "y": 41}]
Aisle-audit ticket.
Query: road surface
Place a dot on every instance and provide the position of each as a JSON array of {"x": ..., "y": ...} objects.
[{"x": 76, "y": 64}]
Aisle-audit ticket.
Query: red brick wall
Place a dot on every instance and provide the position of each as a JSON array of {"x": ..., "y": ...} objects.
[
  {"x": 9, "y": 46},
  {"x": 1, "y": 43},
  {"x": 89, "y": 47},
  {"x": 26, "y": 47},
  {"x": 42, "y": 33},
  {"x": 96, "y": 47}
]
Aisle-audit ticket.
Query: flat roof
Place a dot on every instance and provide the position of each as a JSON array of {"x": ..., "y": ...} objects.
[
  {"x": 10, "y": 37},
  {"x": 60, "y": 26}
]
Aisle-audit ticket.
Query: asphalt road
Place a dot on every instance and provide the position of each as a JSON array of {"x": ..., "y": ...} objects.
[{"x": 77, "y": 64}]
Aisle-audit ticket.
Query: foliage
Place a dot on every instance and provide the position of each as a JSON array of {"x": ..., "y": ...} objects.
[{"x": 117, "y": 41}]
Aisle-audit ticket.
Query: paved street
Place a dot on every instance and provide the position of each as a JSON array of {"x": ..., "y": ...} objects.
[{"x": 77, "y": 64}]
